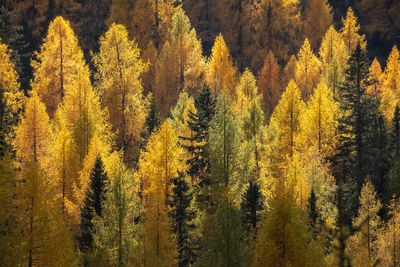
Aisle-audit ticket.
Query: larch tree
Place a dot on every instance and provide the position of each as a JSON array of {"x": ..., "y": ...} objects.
[
  {"x": 308, "y": 70},
  {"x": 375, "y": 75},
  {"x": 11, "y": 98},
  {"x": 319, "y": 122},
  {"x": 220, "y": 70},
  {"x": 119, "y": 71},
  {"x": 317, "y": 19},
  {"x": 57, "y": 64},
  {"x": 289, "y": 70},
  {"x": 269, "y": 82},
  {"x": 334, "y": 54},
  {"x": 390, "y": 89},
  {"x": 181, "y": 63},
  {"x": 45, "y": 238},
  {"x": 116, "y": 234},
  {"x": 389, "y": 238},
  {"x": 285, "y": 124},
  {"x": 158, "y": 165},
  {"x": 363, "y": 245},
  {"x": 350, "y": 31}
]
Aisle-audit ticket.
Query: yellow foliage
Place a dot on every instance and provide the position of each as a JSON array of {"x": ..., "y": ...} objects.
[
  {"x": 350, "y": 31},
  {"x": 308, "y": 70},
  {"x": 57, "y": 64},
  {"x": 375, "y": 78},
  {"x": 220, "y": 73}
]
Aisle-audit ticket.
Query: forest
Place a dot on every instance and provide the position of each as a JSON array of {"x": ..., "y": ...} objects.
[{"x": 210, "y": 133}]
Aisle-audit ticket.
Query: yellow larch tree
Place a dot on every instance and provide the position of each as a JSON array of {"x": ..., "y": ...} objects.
[
  {"x": 158, "y": 165},
  {"x": 119, "y": 70},
  {"x": 56, "y": 64},
  {"x": 220, "y": 72},
  {"x": 319, "y": 122},
  {"x": 284, "y": 126},
  {"x": 269, "y": 82},
  {"x": 45, "y": 238},
  {"x": 318, "y": 18},
  {"x": 334, "y": 54},
  {"x": 389, "y": 238},
  {"x": 308, "y": 70},
  {"x": 12, "y": 98},
  {"x": 363, "y": 246},
  {"x": 390, "y": 91},
  {"x": 350, "y": 31},
  {"x": 375, "y": 78},
  {"x": 289, "y": 70},
  {"x": 181, "y": 64}
]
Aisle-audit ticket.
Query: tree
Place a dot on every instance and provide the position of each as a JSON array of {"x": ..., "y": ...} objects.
[
  {"x": 334, "y": 55},
  {"x": 185, "y": 220},
  {"x": 389, "y": 238},
  {"x": 116, "y": 232},
  {"x": 269, "y": 81},
  {"x": 350, "y": 31},
  {"x": 220, "y": 72},
  {"x": 56, "y": 65},
  {"x": 317, "y": 19},
  {"x": 308, "y": 70},
  {"x": 181, "y": 64},
  {"x": 44, "y": 236},
  {"x": 158, "y": 165},
  {"x": 351, "y": 159},
  {"x": 119, "y": 71},
  {"x": 283, "y": 238},
  {"x": 11, "y": 98},
  {"x": 375, "y": 73},
  {"x": 319, "y": 122},
  {"x": 390, "y": 85},
  {"x": 11, "y": 33},
  {"x": 198, "y": 147},
  {"x": 252, "y": 206},
  {"x": 363, "y": 246},
  {"x": 93, "y": 205},
  {"x": 285, "y": 124}
]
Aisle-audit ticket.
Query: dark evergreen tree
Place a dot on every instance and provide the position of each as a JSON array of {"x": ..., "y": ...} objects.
[
  {"x": 12, "y": 34},
  {"x": 184, "y": 221},
  {"x": 351, "y": 160},
  {"x": 394, "y": 175},
  {"x": 252, "y": 206},
  {"x": 198, "y": 123},
  {"x": 312, "y": 211},
  {"x": 3, "y": 124},
  {"x": 152, "y": 123},
  {"x": 93, "y": 204}
]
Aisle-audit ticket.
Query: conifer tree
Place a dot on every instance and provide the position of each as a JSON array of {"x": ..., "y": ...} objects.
[
  {"x": 390, "y": 85},
  {"x": 308, "y": 70},
  {"x": 389, "y": 239},
  {"x": 375, "y": 73},
  {"x": 116, "y": 232},
  {"x": 11, "y": 33},
  {"x": 334, "y": 54},
  {"x": 318, "y": 18},
  {"x": 350, "y": 32},
  {"x": 44, "y": 235},
  {"x": 185, "y": 220},
  {"x": 11, "y": 98},
  {"x": 119, "y": 70},
  {"x": 181, "y": 64},
  {"x": 93, "y": 205},
  {"x": 161, "y": 162},
  {"x": 57, "y": 63},
  {"x": 220, "y": 72},
  {"x": 319, "y": 122},
  {"x": 394, "y": 173},
  {"x": 269, "y": 81},
  {"x": 351, "y": 158},
  {"x": 252, "y": 206}
]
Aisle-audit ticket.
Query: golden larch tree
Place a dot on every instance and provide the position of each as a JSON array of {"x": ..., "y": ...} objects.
[
  {"x": 220, "y": 72},
  {"x": 375, "y": 78},
  {"x": 158, "y": 165},
  {"x": 119, "y": 71},
  {"x": 318, "y": 18},
  {"x": 56, "y": 64},
  {"x": 269, "y": 82},
  {"x": 308, "y": 70},
  {"x": 350, "y": 31}
]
